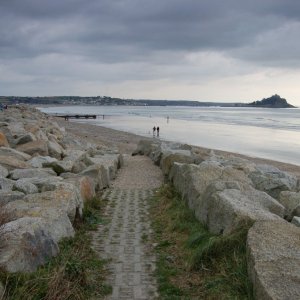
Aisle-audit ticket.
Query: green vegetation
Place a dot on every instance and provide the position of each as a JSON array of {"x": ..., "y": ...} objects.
[
  {"x": 91, "y": 214},
  {"x": 274, "y": 101},
  {"x": 76, "y": 273},
  {"x": 193, "y": 263}
]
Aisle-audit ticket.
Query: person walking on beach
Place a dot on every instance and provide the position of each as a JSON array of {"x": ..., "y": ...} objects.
[
  {"x": 157, "y": 129},
  {"x": 154, "y": 129}
]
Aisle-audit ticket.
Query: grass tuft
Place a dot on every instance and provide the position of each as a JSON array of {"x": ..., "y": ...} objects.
[
  {"x": 209, "y": 247},
  {"x": 91, "y": 213},
  {"x": 193, "y": 263}
]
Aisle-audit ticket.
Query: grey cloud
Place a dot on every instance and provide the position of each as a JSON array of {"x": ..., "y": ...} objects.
[
  {"x": 40, "y": 9},
  {"x": 129, "y": 29},
  {"x": 278, "y": 48},
  {"x": 108, "y": 40}
]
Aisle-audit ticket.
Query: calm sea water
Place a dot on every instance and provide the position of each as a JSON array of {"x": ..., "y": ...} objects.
[{"x": 266, "y": 133}]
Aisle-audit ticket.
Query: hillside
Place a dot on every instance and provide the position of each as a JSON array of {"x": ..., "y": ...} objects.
[{"x": 272, "y": 102}]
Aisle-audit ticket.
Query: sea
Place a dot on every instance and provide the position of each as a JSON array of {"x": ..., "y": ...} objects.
[{"x": 257, "y": 132}]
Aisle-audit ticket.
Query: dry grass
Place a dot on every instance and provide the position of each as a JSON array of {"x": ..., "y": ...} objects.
[{"x": 76, "y": 273}]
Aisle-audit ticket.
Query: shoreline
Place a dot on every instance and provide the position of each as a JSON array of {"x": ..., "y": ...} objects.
[
  {"x": 126, "y": 142},
  {"x": 263, "y": 134}
]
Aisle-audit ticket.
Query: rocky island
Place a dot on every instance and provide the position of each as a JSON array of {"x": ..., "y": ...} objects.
[
  {"x": 274, "y": 101},
  {"x": 50, "y": 169}
]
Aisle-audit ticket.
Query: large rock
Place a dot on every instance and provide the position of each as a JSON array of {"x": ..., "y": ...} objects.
[
  {"x": 98, "y": 173},
  {"x": 3, "y": 172},
  {"x": 181, "y": 156},
  {"x": 10, "y": 162},
  {"x": 222, "y": 197},
  {"x": 145, "y": 147},
  {"x": 16, "y": 129},
  {"x": 44, "y": 184},
  {"x": 41, "y": 161},
  {"x": 57, "y": 221},
  {"x": 60, "y": 166},
  {"x": 192, "y": 180},
  {"x": 3, "y": 124},
  {"x": 3, "y": 140},
  {"x": 111, "y": 162},
  {"x": 78, "y": 167},
  {"x": 54, "y": 149},
  {"x": 14, "y": 153},
  {"x": 30, "y": 173},
  {"x": 296, "y": 211},
  {"x": 296, "y": 221},
  {"x": 273, "y": 181},
  {"x": 74, "y": 155},
  {"x": 28, "y": 245},
  {"x": 59, "y": 224},
  {"x": 165, "y": 153},
  {"x": 8, "y": 196},
  {"x": 227, "y": 205},
  {"x": 273, "y": 249},
  {"x": 13, "y": 131},
  {"x": 36, "y": 147},
  {"x": 76, "y": 160},
  {"x": 234, "y": 162},
  {"x": 101, "y": 150},
  {"x": 86, "y": 186},
  {"x": 26, "y": 138},
  {"x": 40, "y": 135},
  {"x": 290, "y": 200},
  {"x": 153, "y": 149},
  {"x": 66, "y": 197},
  {"x": 55, "y": 132},
  {"x": 72, "y": 143},
  {"x": 6, "y": 184},
  {"x": 25, "y": 187}
]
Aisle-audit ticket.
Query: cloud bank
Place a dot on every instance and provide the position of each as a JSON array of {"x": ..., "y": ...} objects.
[{"x": 171, "y": 49}]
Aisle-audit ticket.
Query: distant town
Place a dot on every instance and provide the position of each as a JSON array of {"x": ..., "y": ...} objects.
[{"x": 274, "y": 101}]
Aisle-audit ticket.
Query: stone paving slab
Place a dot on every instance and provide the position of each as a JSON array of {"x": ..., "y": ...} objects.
[{"x": 123, "y": 241}]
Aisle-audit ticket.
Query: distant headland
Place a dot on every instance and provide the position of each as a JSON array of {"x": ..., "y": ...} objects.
[{"x": 274, "y": 101}]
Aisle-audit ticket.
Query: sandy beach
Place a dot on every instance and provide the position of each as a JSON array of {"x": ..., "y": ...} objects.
[{"x": 126, "y": 143}]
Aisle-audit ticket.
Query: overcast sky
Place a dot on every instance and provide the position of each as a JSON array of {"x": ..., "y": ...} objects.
[{"x": 207, "y": 50}]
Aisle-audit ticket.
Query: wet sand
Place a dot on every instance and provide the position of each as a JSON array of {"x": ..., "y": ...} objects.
[{"x": 126, "y": 143}]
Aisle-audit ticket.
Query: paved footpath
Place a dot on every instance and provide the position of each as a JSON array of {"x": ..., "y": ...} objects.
[{"x": 124, "y": 239}]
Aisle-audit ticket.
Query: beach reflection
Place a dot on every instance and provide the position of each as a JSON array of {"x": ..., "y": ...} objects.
[{"x": 265, "y": 133}]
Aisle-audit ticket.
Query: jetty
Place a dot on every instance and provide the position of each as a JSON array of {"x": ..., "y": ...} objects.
[{"x": 77, "y": 116}]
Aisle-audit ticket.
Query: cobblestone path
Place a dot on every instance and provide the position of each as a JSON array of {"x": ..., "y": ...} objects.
[{"x": 124, "y": 239}]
